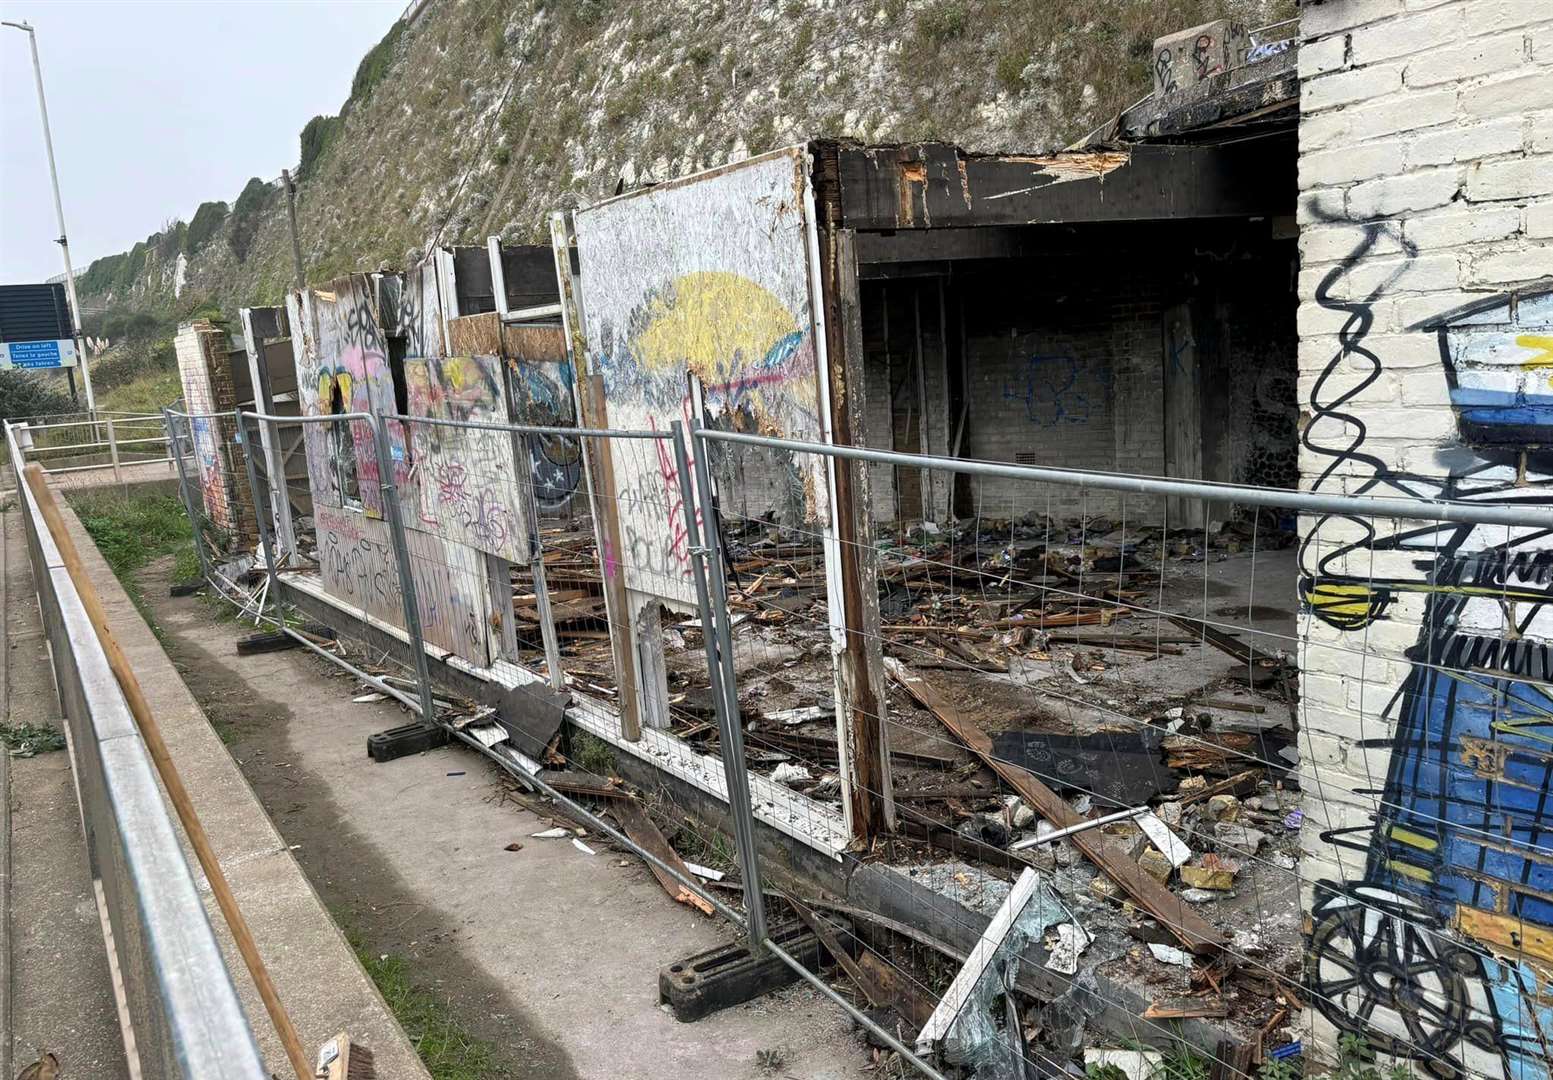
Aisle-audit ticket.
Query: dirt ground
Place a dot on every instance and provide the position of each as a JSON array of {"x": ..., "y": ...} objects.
[{"x": 550, "y": 956}]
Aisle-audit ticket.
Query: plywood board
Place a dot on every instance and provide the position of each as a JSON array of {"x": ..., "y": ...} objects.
[
  {"x": 705, "y": 278},
  {"x": 357, "y": 565},
  {"x": 465, "y": 480}
]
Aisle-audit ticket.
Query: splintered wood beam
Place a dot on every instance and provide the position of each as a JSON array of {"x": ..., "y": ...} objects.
[
  {"x": 1173, "y": 913},
  {"x": 647, "y": 836},
  {"x": 860, "y": 698}
]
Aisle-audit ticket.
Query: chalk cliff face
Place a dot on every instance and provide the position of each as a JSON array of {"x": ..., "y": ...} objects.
[{"x": 474, "y": 118}]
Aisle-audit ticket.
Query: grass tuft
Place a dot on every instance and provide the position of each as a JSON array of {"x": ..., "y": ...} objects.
[{"x": 445, "y": 1045}]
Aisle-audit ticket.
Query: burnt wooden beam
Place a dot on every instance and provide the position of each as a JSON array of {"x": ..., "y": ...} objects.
[
  {"x": 937, "y": 186},
  {"x": 860, "y": 697}
]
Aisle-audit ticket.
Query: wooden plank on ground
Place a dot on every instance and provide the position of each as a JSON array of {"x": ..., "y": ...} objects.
[
  {"x": 882, "y": 987},
  {"x": 645, "y": 835},
  {"x": 1172, "y": 912}
]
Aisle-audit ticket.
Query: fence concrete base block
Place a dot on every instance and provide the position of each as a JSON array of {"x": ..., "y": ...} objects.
[
  {"x": 405, "y": 740},
  {"x": 731, "y": 974},
  {"x": 263, "y": 643}
]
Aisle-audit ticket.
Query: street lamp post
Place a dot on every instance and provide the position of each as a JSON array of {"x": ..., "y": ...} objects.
[{"x": 59, "y": 212}]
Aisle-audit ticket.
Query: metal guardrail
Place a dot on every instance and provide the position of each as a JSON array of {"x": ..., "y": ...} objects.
[
  {"x": 182, "y": 1009},
  {"x": 102, "y": 435}
]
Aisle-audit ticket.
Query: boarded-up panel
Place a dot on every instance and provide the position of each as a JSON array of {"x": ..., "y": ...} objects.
[
  {"x": 418, "y": 312},
  {"x": 475, "y": 335},
  {"x": 543, "y": 389},
  {"x": 357, "y": 565},
  {"x": 708, "y": 276},
  {"x": 466, "y": 482},
  {"x": 342, "y": 366}
]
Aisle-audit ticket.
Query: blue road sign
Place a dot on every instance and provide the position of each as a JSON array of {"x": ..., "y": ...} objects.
[{"x": 37, "y": 354}]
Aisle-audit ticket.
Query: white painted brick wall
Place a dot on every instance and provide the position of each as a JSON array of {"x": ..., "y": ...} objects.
[{"x": 1430, "y": 121}]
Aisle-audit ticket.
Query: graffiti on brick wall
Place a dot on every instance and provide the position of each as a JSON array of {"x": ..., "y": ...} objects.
[
  {"x": 1441, "y": 951},
  {"x": 466, "y": 489},
  {"x": 357, "y": 566},
  {"x": 697, "y": 294},
  {"x": 1049, "y": 391},
  {"x": 211, "y": 472}
]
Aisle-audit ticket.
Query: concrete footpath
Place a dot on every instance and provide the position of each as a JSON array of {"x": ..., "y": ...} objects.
[
  {"x": 547, "y": 953},
  {"x": 314, "y": 968}
]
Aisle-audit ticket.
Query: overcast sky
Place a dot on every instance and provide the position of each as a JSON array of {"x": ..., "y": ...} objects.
[{"x": 157, "y": 107}]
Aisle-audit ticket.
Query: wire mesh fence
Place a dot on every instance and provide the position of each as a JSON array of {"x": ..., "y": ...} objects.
[
  {"x": 1366, "y": 753},
  {"x": 1223, "y": 771}
]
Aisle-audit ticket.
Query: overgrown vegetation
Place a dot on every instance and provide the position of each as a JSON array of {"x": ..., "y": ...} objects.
[
  {"x": 319, "y": 134},
  {"x": 204, "y": 224},
  {"x": 246, "y": 213},
  {"x": 26, "y": 393},
  {"x": 131, "y": 530},
  {"x": 446, "y": 1046},
  {"x": 592, "y": 753},
  {"x": 374, "y": 66}
]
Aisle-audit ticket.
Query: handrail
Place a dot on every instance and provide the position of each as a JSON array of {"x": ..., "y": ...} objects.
[{"x": 181, "y": 1006}]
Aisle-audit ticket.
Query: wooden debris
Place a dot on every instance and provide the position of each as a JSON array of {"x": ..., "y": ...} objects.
[
  {"x": 1239, "y": 784},
  {"x": 645, "y": 835},
  {"x": 1185, "y": 924},
  {"x": 1205, "y": 1010}
]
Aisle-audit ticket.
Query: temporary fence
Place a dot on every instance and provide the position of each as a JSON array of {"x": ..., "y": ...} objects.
[
  {"x": 1131, "y": 731},
  {"x": 177, "y": 1003}
]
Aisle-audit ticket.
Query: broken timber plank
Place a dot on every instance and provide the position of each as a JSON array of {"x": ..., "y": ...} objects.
[
  {"x": 1235, "y": 785},
  {"x": 645, "y": 835},
  {"x": 1170, "y": 910}
]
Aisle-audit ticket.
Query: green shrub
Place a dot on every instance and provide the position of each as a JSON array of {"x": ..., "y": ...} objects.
[
  {"x": 246, "y": 212},
  {"x": 207, "y": 219},
  {"x": 943, "y": 21},
  {"x": 25, "y": 393},
  {"x": 317, "y": 137},
  {"x": 373, "y": 67}
]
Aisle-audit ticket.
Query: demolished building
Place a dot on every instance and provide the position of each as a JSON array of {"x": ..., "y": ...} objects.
[{"x": 931, "y": 661}]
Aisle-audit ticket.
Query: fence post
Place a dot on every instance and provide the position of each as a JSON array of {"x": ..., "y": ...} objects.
[
  {"x": 113, "y": 453},
  {"x": 266, "y": 537},
  {"x": 396, "y": 534},
  {"x": 717, "y": 633},
  {"x": 536, "y": 564},
  {"x": 183, "y": 491}
]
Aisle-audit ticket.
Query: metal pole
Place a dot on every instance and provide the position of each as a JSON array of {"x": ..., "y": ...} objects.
[
  {"x": 183, "y": 491},
  {"x": 113, "y": 453},
  {"x": 291, "y": 215},
  {"x": 1092, "y": 823},
  {"x": 714, "y": 616},
  {"x": 59, "y": 213},
  {"x": 1399, "y": 508},
  {"x": 396, "y": 534},
  {"x": 266, "y": 537},
  {"x": 536, "y": 565}
]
